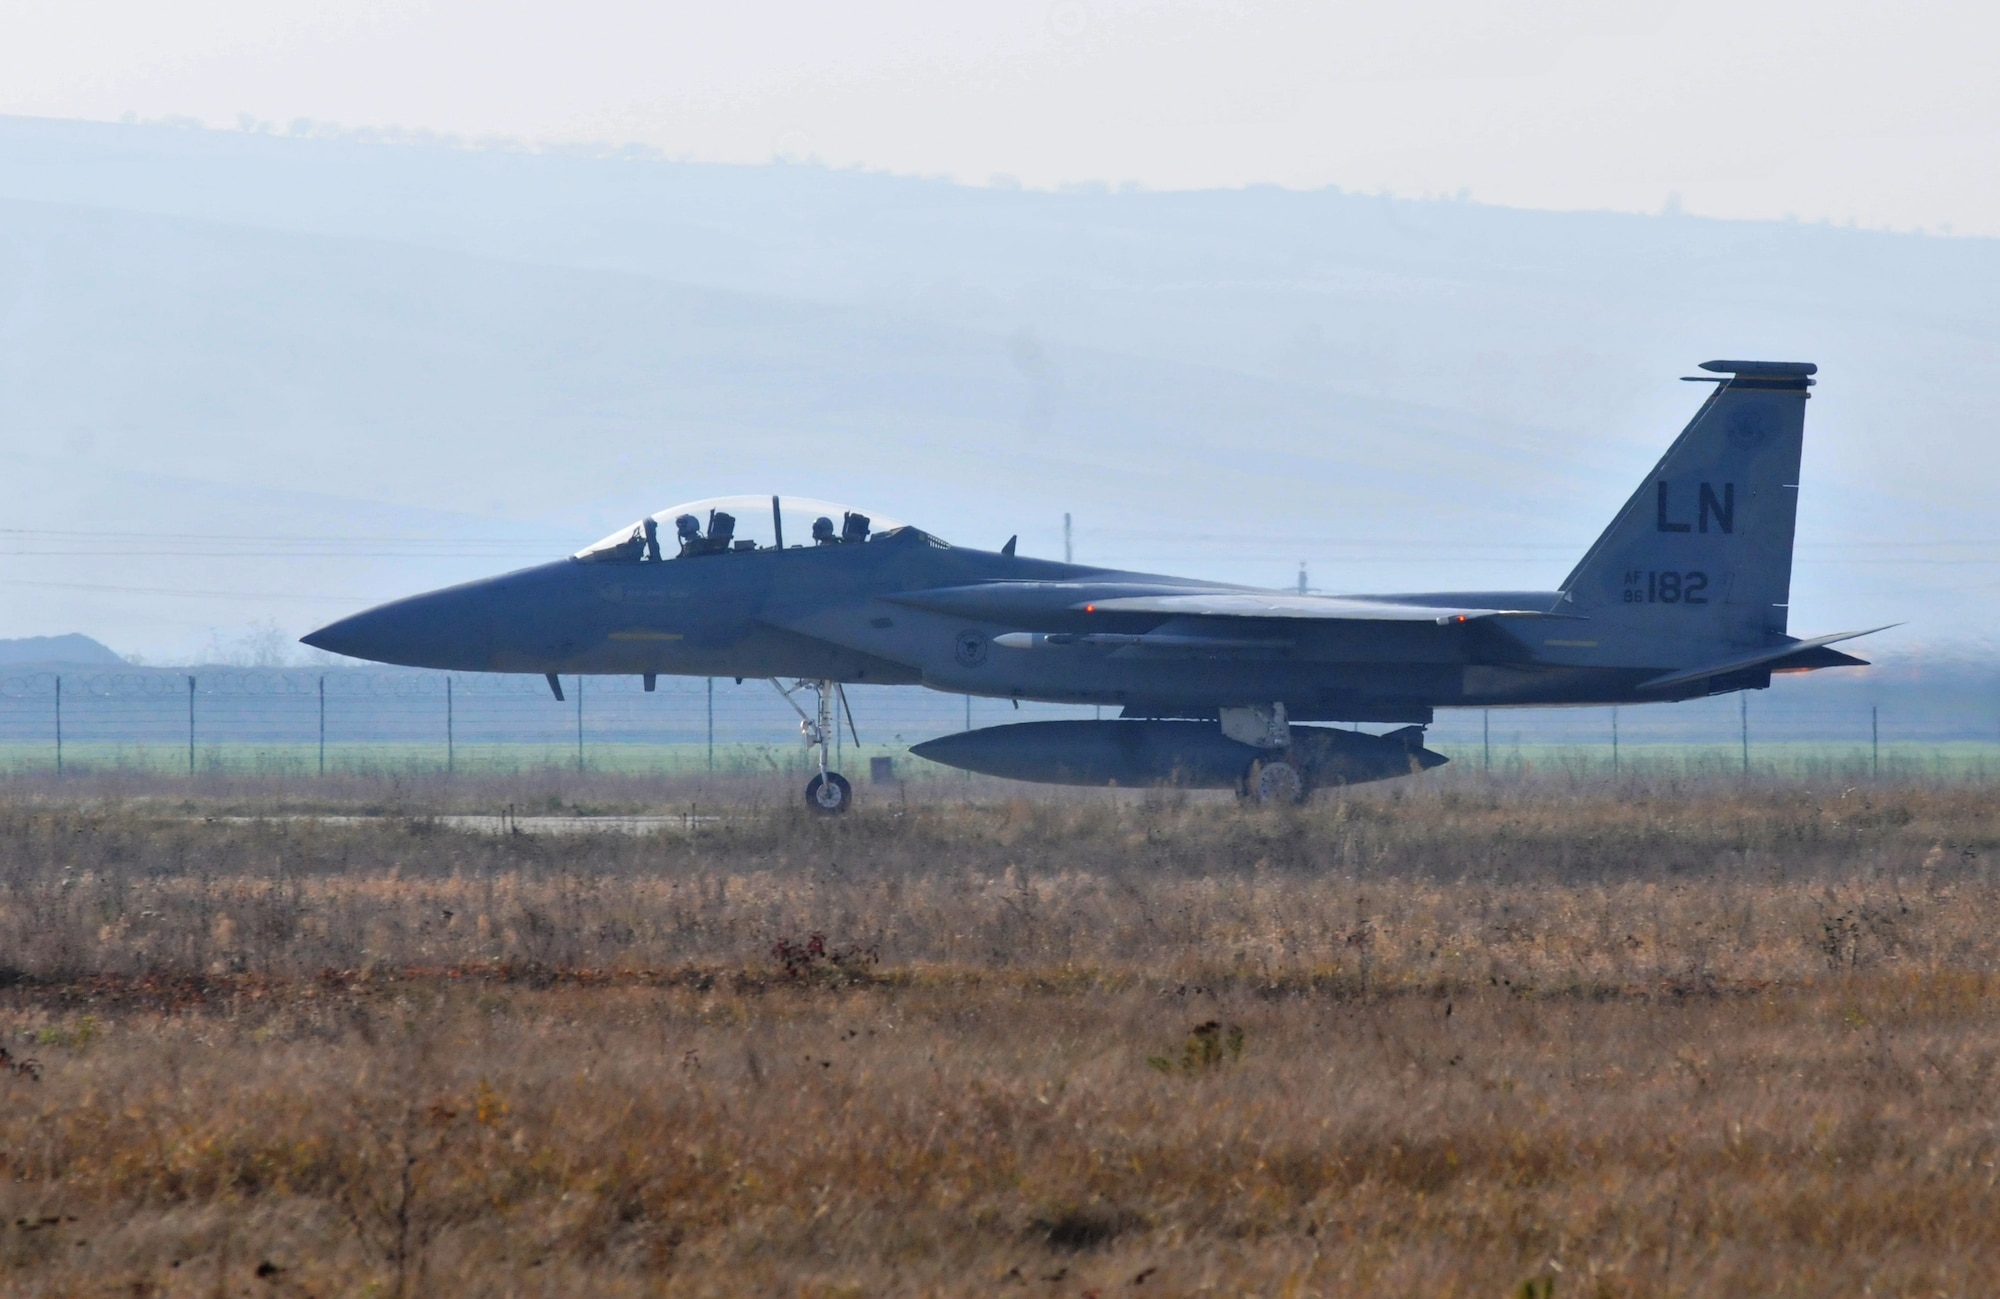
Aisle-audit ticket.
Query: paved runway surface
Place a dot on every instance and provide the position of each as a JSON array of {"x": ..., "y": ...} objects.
[{"x": 506, "y": 824}]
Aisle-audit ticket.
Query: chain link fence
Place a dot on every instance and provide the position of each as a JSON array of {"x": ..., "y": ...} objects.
[{"x": 304, "y": 721}]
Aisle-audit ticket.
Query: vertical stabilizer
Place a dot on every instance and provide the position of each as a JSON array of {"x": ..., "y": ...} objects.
[{"x": 1700, "y": 558}]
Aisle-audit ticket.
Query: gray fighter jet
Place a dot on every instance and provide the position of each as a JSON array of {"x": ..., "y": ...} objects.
[{"x": 1684, "y": 595}]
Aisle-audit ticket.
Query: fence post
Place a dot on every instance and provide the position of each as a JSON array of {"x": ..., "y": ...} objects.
[
  {"x": 1874, "y": 742},
  {"x": 711, "y": 726},
  {"x": 450, "y": 739},
  {"x": 1486, "y": 740},
  {"x": 322, "y": 725},
  {"x": 190, "y": 725},
  {"x": 1614, "y": 740},
  {"x": 579, "y": 721},
  {"x": 59, "y": 724},
  {"x": 1743, "y": 707}
]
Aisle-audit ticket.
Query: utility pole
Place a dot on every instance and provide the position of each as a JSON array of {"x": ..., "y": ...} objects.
[
  {"x": 1875, "y": 741},
  {"x": 322, "y": 726},
  {"x": 1069, "y": 556},
  {"x": 711, "y": 726},
  {"x": 1486, "y": 739},
  {"x": 1302, "y": 577},
  {"x": 579, "y": 721},
  {"x": 450, "y": 739},
  {"x": 1614, "y": 740},
  {"x": 190, "y": 726},
  {"x": 58, "y": 724},
  {"x": 968, "y": 712}
]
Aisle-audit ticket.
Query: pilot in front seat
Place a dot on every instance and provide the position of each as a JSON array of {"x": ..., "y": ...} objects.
[{"x": 688, "y": 529}]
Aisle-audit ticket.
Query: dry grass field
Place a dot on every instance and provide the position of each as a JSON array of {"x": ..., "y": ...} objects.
[{"x": 1441, "y": 1038}]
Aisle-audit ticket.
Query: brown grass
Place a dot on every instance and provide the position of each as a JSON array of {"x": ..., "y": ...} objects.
[{"x": 1431, "y": 1040}]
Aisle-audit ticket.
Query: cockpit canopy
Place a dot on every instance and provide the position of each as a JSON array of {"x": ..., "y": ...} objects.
[{"x": 729, "y": 525}]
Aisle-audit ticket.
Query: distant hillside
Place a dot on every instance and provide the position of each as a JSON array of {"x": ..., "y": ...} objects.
[
  {"x": 72, "y": 648},
  {"x": 247, "y": 379}
]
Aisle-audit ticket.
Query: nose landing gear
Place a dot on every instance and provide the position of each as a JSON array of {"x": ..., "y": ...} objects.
[{"x": 828, "y": 793}]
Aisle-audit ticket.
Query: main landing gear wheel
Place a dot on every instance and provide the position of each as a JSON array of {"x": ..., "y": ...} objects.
[
  {"x": 1274, "y": 782},
  {"x": 830, "y": 794}
]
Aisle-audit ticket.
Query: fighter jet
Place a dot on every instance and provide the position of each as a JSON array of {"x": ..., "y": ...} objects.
[{"x": 1684, "y": 595}]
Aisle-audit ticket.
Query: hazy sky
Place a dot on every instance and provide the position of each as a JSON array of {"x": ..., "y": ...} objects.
[{"x": 1886, "y": 115}]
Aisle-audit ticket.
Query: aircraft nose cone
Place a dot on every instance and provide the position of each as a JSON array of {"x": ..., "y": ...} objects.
[
  {"x": 359, "y": 636},
  {"x": 445, "y": 629},
  {"x": 383, "y": 635}
]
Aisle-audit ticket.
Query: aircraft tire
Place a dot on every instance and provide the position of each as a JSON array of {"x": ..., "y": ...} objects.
[
  {"x": 1274, "y": 782},
  {"x": 829, "y": 795}
]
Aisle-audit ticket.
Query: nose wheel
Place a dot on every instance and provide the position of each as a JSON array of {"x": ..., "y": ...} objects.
[{"x": 828, "y": 793}]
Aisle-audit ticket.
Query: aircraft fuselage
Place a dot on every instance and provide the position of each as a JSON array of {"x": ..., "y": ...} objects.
[{"x": 842, "y": 613}]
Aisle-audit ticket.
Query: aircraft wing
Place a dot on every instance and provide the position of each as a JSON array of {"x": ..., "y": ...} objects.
[
  {"x": 1259, "y": 604},
  {"x": 1027, "y": 603}
]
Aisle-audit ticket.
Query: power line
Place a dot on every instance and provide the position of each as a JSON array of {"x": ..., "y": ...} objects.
[
  {"x": 320, "y": 597},
  {"x": 126, "y": 544},
  {"x": 257, "y": 537}
]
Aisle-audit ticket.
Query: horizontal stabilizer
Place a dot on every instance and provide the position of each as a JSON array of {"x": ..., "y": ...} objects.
[
  {"x": 1754, "y": 659},
  {"x": 1817, "y": 657}
]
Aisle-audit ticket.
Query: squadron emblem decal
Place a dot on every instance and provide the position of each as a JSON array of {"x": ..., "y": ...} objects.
[{"x": 971, "y": 648}]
